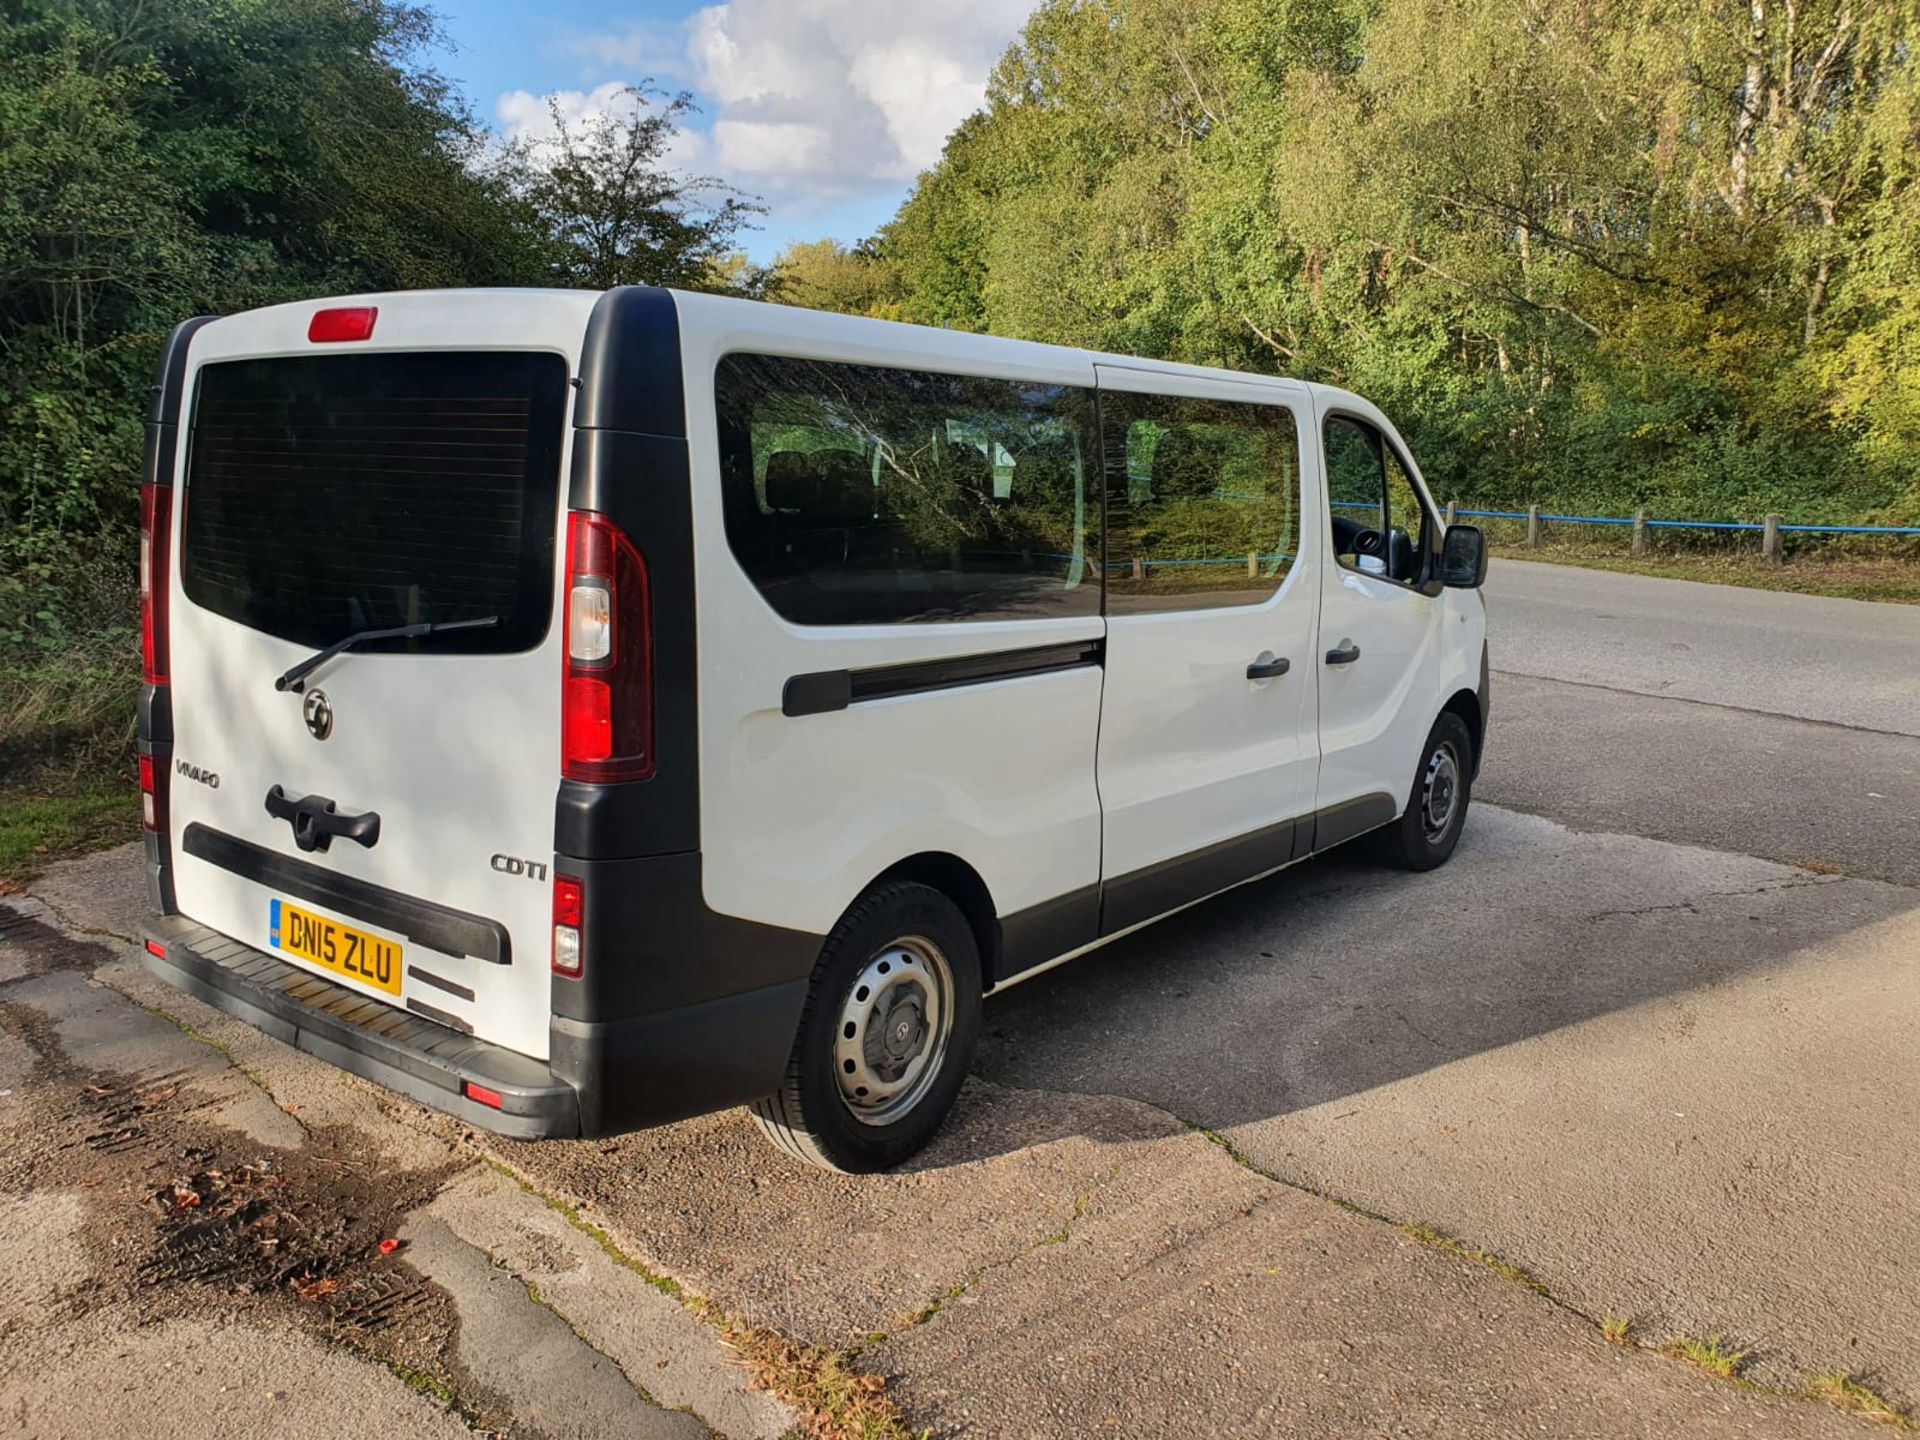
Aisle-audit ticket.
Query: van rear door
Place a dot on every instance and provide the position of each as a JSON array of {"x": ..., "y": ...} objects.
[{"x": 386, "y": 820}]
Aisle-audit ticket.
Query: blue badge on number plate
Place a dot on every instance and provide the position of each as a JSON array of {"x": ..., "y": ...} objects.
[{"x": 273, "y": 926}]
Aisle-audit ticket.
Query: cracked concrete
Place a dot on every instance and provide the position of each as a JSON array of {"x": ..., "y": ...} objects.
[{"x": 551, "y": 1333}]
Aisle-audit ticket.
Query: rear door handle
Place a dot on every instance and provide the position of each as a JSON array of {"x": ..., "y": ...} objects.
[
  {"x": 1268, "y": 668},
  {"x": 316, "y": 823},
  {"x": 1343, "y": 654}
]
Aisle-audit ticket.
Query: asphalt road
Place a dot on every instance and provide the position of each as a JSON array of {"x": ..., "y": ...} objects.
[
  {"x": 1784, "y": 726},
  {"x": 1346, "y": 1152}
]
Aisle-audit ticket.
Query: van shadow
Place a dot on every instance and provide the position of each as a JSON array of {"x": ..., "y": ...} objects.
[{"x": 1340, "y": 976}]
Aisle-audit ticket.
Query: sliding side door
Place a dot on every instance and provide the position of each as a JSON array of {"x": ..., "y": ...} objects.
[{"x": 1208, "y": 747}]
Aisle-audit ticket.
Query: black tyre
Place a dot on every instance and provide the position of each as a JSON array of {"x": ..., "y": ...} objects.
[
  {"x": 887, "y": 1034},
  {"x": 1425, "y": 835}
]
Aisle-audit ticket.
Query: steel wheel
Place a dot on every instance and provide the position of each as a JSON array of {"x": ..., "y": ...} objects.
[
  {"x": 895, "y": 1022},
  {"x": 1440, "y": 791}
]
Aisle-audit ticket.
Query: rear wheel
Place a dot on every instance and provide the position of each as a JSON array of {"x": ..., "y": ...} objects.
[
  {"x": 1426, "y": 834},
  {"x": 886, "y": 1036}
]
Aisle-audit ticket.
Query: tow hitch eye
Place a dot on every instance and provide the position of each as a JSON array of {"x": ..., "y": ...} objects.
[{"x": 316, "y": 822}]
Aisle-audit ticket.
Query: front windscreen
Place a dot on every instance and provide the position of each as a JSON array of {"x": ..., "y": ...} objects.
[{"x": 331, "y": 494}]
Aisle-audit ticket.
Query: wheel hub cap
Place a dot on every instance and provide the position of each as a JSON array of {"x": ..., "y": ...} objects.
[
  {"x": 893, "y": 1029},
  {"x": 1440, "y": 791}
]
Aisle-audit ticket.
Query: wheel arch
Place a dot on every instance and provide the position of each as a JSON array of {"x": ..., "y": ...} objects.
[
  {"x": 960, "y": 883},
  {"x": 1466, "y": 704}
]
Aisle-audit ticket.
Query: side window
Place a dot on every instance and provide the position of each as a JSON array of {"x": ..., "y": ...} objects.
[
  {"x": 1203, "y": 501},
  {"x": 859, "y": 494},
  {"x": 1378, "y": 524}
]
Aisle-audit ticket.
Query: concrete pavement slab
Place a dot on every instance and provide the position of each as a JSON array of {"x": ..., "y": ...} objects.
[
  {"x": 188, "y": 1379},
  {"x": 1197, "y": 1298},
  {"x": 553, "y": 1383},
  {"x": 650, "y": 1335}
]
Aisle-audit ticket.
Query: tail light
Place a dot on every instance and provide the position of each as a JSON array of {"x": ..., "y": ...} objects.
[
  {"x": 606, "y": 712},
  {"x": 569, "y": 903},
  {"x": 156, "y": 526},
  {"x": 149, "y": 795}
]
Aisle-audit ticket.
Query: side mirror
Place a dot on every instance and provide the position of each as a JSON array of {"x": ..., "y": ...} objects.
[{"x": 1463, "y": 558}]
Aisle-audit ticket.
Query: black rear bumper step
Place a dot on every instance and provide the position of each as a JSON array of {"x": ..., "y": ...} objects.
[{"x": 378, "y": 1042}]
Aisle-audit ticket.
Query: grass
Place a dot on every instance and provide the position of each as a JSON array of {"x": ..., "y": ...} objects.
[
  {"x": 1843, "y": 573},
  {"x": 46, "y": 821},
  {"x": 1617, "y": 1331},
  {"x": 1711, "y": 1356},
  {"x": 1857, "y": 1398}
]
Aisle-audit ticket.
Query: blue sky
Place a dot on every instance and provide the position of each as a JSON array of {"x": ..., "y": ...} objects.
[{"x": 826, "y": 109}]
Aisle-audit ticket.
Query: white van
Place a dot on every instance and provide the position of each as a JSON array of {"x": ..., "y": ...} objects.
[{"x": 582, "y": 711}]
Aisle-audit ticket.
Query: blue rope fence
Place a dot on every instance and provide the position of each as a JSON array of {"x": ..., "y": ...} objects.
[{"x": 1741, "y": 526}]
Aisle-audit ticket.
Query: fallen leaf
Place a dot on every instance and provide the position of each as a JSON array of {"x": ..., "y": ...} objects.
[
  {"x": 98, "y": 1091},
  {"x": 314, "y": 1289}
]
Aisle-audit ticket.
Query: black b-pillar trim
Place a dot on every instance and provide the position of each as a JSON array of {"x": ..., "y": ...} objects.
[{"x": 155, "y": 722}]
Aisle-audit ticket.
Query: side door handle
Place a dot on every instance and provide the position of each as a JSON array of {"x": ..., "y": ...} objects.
[
  {"x": 1268, "y": 668},
  {"x": 1345, "y": 653}
]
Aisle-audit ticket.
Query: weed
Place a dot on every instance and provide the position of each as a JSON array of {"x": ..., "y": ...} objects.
[
  {"x": 1711, "y": 1356},
  {"x": 836, "y": 1401},
  {"x": 1505, "y": 1269},
  {"x": 1617, "y": 1331},
  {"x": 1855, "y": 1396}
]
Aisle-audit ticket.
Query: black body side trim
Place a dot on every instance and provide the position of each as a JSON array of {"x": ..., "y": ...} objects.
[
  {"x": 1046, "y": 931},
  {"x": 653, "y": 945},
  {"x": 343, "y": 1027},
  {"x": 427, "y": 977},
  {"x": 438, "y": 927},
  {"x": 826, "y": 690},
  {"x": 630, "y": 365},
  {"x": 1485, "y": 695},
  {"x": 652, "y": 1069},
  {"x": 439, "y": 1016},
  {"x": 1340, "y": 823},
  {"x": 1155, "y": 889}
]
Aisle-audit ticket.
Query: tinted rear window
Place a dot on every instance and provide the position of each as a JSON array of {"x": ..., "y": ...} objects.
[{"x": 329, "y": 494}]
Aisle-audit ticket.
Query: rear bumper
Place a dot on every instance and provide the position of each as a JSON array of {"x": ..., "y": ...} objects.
[
  {"x": 403, "y": 1052},
  {"x": 606, "y": 1076}
]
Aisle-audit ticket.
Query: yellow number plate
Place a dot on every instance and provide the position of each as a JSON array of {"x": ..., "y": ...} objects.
[{"x": 351, "y": 954}]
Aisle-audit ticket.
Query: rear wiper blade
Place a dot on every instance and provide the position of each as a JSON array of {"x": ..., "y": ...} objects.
[{"x": 291, "y": 680}]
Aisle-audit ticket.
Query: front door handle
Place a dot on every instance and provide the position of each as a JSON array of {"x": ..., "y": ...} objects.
[
  {"x": 1268, "y": 668},
  {"x": 1345, "y": 653}
]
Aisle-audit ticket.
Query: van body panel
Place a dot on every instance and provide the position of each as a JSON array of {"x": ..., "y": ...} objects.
[
  {"x": 1418, "y": 647},
  {"x": 799, "y": 815},
  {"x": 415, "y": 738},
  {"x": 1192, "y": 752}
]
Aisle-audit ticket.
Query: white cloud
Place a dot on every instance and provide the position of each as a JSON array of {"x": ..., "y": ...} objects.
[
  {"x": 807, "y": 103},
  {"x": 524, "y": 115}
]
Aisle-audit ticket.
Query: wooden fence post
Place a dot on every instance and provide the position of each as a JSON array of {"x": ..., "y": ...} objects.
[
  {"x": 1770, "y": 548},
  {"x": 1639, "y": 532},
  {"x": 1253, "y": 565},
  {"x": 1450, "y": 505},
  {"x": 1139, "y": 568},
  {"x": 1533, "y": 527}
]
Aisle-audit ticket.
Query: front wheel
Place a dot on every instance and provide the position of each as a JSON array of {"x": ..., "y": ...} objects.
[
  {"x": 1425, "y": 835},
  {"x": 886, "y": 1036}
]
